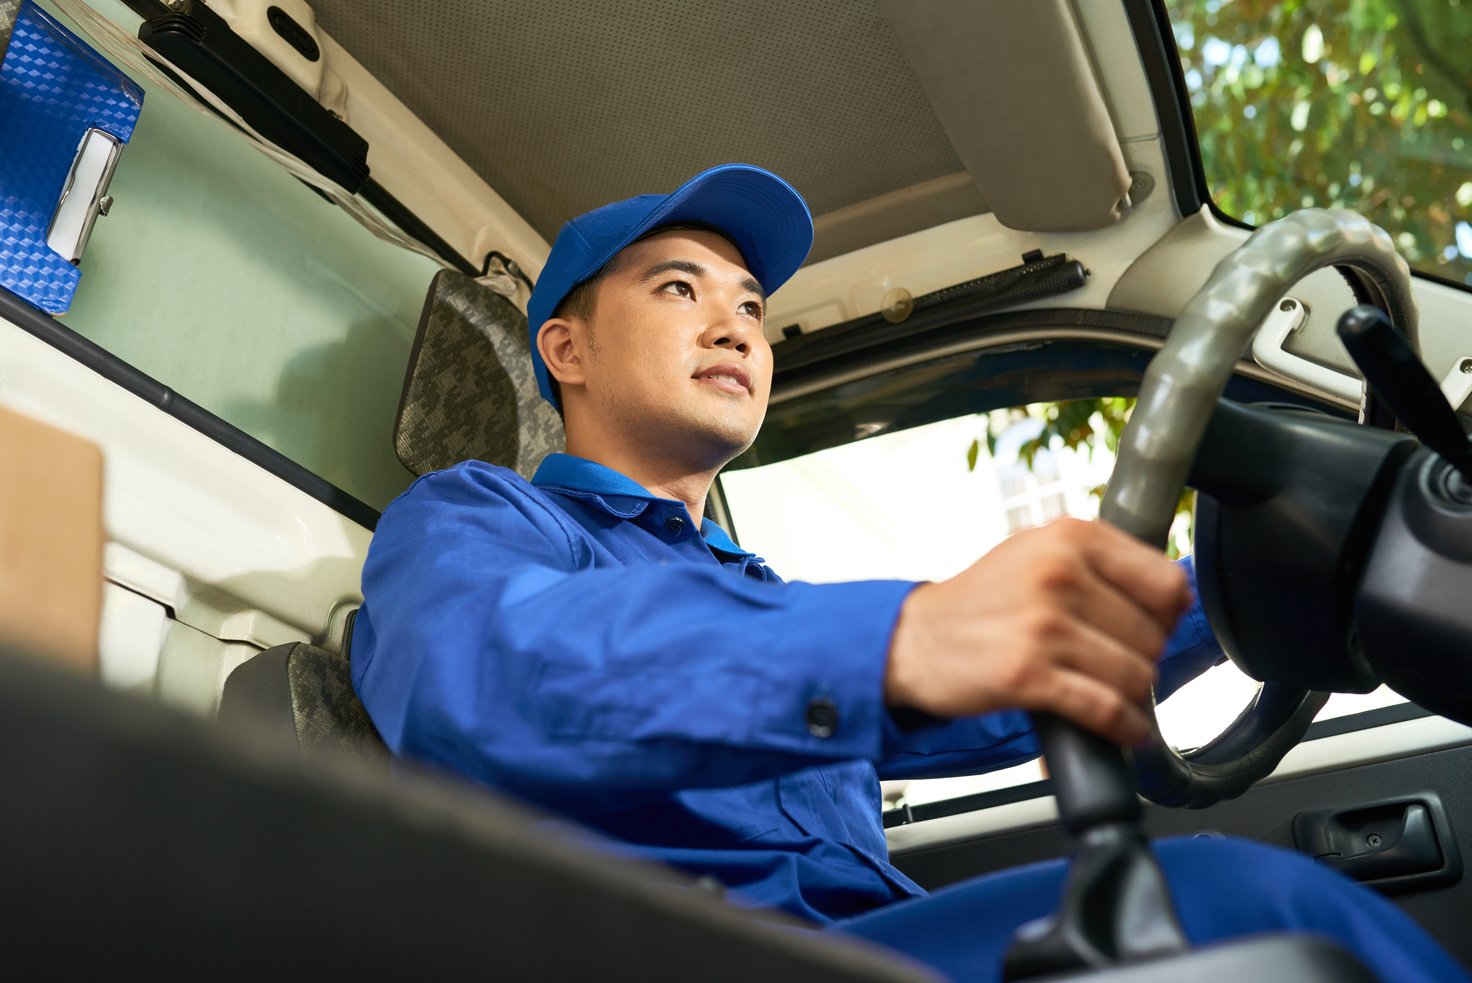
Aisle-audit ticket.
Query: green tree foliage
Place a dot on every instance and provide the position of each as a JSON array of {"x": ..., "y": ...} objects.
[
  {"x": 1365, "y": 104},
  {"x": 1078, "y": 424}
]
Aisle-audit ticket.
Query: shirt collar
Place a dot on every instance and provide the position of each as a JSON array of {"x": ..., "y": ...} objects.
[{"x": 617, "y": 494}]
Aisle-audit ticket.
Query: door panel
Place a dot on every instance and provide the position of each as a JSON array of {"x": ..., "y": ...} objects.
[{"x": 1264, "y": 814}]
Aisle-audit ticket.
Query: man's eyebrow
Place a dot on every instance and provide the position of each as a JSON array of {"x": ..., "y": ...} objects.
[
  {"x": 676, "y": 265},
  {"x": 749, "y": 284}
]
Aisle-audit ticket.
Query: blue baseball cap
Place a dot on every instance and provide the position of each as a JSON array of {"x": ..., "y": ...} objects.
[{"x": 763, "y": 215}]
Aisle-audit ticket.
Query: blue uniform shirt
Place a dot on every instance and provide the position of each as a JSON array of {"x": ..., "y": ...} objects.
[{"x": 575, "y": 642}]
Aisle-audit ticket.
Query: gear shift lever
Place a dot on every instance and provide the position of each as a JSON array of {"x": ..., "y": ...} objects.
[{"x": 1116, "y": 905}]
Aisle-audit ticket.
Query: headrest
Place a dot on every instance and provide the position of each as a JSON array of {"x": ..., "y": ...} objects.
[{"x": 469, "y": 391}]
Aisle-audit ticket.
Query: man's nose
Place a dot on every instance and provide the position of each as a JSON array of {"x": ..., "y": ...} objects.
[{"x": 733, "y": 332}]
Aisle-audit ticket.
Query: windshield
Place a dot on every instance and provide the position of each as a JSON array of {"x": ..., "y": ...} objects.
[{"x": 1365, "y": 104}]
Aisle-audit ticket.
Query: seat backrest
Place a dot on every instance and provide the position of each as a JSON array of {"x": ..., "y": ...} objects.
[
  {"x": 304, "y": 695},
  {"x": 469, "y": 391}
]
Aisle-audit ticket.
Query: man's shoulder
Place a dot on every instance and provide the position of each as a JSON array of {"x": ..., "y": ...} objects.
[
  {"x": 475, "y": 506},
  {"x": 471, "y": 488},
  {"x": 469, "y": 477}
]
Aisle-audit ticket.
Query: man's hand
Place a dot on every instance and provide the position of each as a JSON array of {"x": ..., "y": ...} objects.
[{"x": 1069, "y": 618}]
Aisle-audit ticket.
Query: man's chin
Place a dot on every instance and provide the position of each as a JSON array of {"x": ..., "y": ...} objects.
[{"x": 722, "y": 442}]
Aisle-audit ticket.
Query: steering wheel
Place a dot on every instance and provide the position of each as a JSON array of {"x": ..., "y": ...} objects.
[{"x": 1180, "y": 389}]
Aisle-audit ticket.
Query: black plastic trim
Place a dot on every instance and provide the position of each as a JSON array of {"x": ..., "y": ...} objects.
[
  {"x": 1333, "y": 727},
  {"x": 1037, "y": 278},
  {"x": 151, "y": 391},
  {"x": 147, "y": 9},
  {"x": 906, "y": 815},
  {"x": 293, "y": 33},
  {"x": 413, "y": 226},
  {"x": 194, "y": 39},
  {"x": 1156, "y": 45},
  {"x": 1365, "y": 719},
  {"x": 823, "y": 355}
]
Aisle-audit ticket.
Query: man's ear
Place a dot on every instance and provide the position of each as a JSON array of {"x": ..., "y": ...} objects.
[{"x": 560, "y": 342}]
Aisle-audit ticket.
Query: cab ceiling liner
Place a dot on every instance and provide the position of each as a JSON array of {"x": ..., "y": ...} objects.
[
  {"x": 1012, "y": 84},
  {"x": 565, "y": 105},
  {"x": 896, "y": 214}
]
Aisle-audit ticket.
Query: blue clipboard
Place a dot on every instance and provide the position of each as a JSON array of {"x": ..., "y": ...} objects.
[{"x": 65, "y": 114}]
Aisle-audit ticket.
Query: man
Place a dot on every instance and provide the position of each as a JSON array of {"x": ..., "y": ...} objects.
[{"x": 585, "y": 642}]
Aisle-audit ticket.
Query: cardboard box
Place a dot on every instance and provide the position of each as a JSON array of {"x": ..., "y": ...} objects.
[{"x": 51, "y": 542}]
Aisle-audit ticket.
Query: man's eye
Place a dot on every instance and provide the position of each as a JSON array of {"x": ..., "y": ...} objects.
[
  {"x": 752, "y": 309},
  {"x": 680, "y": 287}
]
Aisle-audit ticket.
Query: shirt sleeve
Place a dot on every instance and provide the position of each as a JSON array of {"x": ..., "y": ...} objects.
[
  {"x": 919, "y": 746},
  {"x": 492, "y": 645},
  {"x": 1192, "y": 648}
]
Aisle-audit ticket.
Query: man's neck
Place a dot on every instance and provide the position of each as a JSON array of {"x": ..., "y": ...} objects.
[{"x": 665, "y": 478}]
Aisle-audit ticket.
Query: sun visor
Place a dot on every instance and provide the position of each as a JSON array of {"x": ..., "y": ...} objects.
[{"x": 1013, "y": 87}]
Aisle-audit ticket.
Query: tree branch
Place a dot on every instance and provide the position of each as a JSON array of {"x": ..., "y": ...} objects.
[{"x": 1422, "y": 42}]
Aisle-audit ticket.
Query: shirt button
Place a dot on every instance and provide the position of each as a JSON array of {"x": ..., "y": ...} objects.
[
  {"x": 822, "y": 717},
  {"x": 674, "y": 525}
]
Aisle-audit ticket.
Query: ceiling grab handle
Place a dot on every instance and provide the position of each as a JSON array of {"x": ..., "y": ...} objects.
[{"x": 1269, "y": 349}]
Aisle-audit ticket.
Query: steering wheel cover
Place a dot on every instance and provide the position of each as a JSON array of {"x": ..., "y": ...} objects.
[
  {"x": 1262, "y": 734},
  {"x": 1177, "y": 396}
]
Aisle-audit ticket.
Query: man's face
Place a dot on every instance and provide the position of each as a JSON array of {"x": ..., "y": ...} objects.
[{"x": 675, "y": 353}]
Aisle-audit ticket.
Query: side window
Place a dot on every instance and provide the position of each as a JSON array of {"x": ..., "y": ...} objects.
[
  {"x": 925, "y": 503},
  {"x": 228, "y": 280}
]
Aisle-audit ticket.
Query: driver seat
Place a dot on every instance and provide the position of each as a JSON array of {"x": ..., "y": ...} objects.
[{"x": 469, "y": 393}]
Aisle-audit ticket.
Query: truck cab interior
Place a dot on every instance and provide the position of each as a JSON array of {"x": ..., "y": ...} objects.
[{"x": 266, "y": 263}]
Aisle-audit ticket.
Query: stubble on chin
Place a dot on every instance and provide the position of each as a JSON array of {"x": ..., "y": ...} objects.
[{"x": 702, "y": 440}]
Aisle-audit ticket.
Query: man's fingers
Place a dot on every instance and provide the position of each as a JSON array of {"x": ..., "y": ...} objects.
[
  {"x": 1157, "y": 585},
  {"x": 1095, "y": 707},
  {"x": 1088, "y": 596},
  {"x": 1067, "y": 618},
  {"x": 1094, "y": 653}
]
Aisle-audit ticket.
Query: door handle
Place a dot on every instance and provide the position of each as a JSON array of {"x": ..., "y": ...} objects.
[{"x": 1391, "y": 844}]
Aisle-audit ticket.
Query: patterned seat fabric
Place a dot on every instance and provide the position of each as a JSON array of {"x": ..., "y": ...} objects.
[
  {"x": 300, "y": 691},
  {"x": 8, "y": 10},
  {"x": 469, "y": 392}
]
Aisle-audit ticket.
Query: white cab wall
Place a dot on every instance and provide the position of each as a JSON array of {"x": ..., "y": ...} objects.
[{"x": 233, "y": 552}]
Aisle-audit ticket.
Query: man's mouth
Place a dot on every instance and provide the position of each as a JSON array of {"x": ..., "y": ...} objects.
[{"x": 727, "y": 376}]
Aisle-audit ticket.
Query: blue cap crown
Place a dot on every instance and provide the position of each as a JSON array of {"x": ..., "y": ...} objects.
[{"x": 763, "y": 215}]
